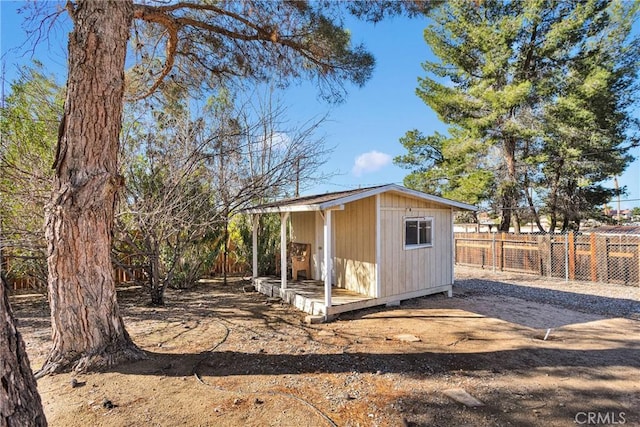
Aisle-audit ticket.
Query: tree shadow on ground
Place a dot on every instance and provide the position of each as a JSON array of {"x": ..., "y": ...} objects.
[
  {"x": 531, "y": 409},
  {"x": 228, "y": 363},
  {"x": 235, "y": 306}
]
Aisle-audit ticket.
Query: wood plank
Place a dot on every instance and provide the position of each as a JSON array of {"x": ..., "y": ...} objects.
[
  {"x": 524, "y": 248},
  {"x": 472, "y": 245},
  {"x": 621, "y": 254}
]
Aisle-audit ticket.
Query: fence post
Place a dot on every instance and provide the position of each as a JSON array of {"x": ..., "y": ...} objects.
[
  {"x": 503, "y": 237},
  {"x": 552, "y": 239},
  {"x": 604, "y": 258},
  {"x": 572, "y": 256},
  {"x": 566, "y": 257},
  {"x": 593, "y": 258},
  {"x": 493, "y": 252}
]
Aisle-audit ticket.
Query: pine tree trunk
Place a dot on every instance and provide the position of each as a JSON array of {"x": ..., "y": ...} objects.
[
  {"x": 510, "y": 188},
  {"x": 88, "y": 331},
  {"x": 553, "y": 203},
  {"x": 20, "y": 403},
  {"x": 528, "y": 195},
  {"x": 505, "y": 216}
]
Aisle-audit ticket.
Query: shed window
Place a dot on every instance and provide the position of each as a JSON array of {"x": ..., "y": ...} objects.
[{"x": 418, "y": 232}]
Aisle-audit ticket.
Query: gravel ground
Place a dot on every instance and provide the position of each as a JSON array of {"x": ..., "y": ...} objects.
[{"x": 596, "y": 298}]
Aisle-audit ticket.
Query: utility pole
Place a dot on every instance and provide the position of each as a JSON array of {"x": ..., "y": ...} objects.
[{"x": 297, "y": 177}]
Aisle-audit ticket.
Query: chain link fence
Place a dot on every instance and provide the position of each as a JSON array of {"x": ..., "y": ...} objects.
[{"x": 603, "y": 258}]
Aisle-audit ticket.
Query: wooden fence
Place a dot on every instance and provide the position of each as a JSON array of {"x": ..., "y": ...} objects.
[
  {"x": 24, "y": 282},
  {"x": 604, "y": 258},
  {"x": 27, "y": 280},
  {"x": 234, "y": 266}
]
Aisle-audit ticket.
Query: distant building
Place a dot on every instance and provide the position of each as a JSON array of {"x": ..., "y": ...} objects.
[{"x": 613, "y": 213}]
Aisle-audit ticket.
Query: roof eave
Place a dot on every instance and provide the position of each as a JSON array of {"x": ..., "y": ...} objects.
[
  {"x": 278, "y": 209},
  {"x": 402, "y": 190},
  {"x": 339, "y": 202},
  {"x": 336, "y": 203}
]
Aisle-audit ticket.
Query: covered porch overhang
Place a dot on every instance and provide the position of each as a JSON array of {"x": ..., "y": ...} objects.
[{"x": 312, "y": 296}]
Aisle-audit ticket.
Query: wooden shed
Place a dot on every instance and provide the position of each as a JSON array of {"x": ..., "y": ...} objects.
[{"x": 360, "y": 248}]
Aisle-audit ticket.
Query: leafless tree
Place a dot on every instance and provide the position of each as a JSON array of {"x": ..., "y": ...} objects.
[{"x": 188, "y": 173}]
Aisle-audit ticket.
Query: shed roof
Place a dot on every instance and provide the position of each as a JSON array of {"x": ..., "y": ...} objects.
[{"x": 335, "y": 200}]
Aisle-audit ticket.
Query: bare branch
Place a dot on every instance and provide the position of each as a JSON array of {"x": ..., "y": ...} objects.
[{"x": 143, "y": 12}]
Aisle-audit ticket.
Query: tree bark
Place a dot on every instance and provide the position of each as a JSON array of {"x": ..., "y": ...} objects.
[
  {"x": 510, "y": 189},
  {"x": 505, "y": 215},
  {"x": 88, "y": 331},
  {"x": 529, "y": 198},
  {"x": 534, "y": 212},
  {"x": 20, "y": 403},
  {"x": 553, "y": 203}
]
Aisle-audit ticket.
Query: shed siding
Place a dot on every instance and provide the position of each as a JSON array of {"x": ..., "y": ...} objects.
[
  {"x": 401, "y": 270},
  {"x": 408, "y": 270},
  {"x": 392, "y": 200},
  {"x": 303, "y": 230},
  {"x": 355, "y": 246}
]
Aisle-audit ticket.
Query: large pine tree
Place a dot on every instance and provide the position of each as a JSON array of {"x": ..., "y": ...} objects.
[
  {"x": 194, "y": 45},
  {"x": 537, "y": 97}
]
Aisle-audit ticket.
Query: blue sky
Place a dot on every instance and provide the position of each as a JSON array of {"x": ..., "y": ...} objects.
[{"x": 364, "y": 130}]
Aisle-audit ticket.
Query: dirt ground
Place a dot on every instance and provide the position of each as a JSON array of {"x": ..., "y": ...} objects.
[{"x": 220, "y": 356}]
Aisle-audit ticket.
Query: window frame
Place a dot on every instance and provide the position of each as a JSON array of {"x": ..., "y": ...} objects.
[{"x": 418, "y": 220}]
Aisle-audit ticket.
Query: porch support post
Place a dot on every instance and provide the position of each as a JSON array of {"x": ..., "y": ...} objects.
[
  {"x": 327, "y": 261},
  {"x": 453, "y": 254},
  {"x": 255, "y": 221},
  {"x": 283, "y": 250}
]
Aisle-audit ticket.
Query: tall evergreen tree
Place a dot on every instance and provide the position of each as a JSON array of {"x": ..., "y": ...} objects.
[
  {"x": 587, "y": 128},
  {"x": 535, "y": 93}
]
